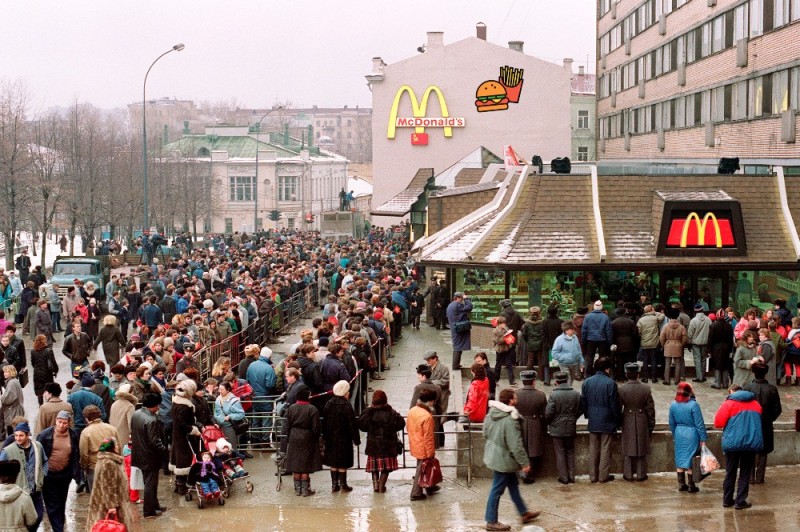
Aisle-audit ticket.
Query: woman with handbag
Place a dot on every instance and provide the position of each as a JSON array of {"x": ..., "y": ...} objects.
[
  {"x": 340, "y": 433},
  {"x": 381, "y": 422},
  {"x": 228, "y": 411},
  {"x": 689, "y": 433},
  {"x": 44, "y": 366},
  {"x": 11, "y": 400}
]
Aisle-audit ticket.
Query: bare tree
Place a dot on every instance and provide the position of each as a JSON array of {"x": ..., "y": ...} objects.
[
  {"x": 46, "y": 173},
  {"x": 14, "y": 160}
]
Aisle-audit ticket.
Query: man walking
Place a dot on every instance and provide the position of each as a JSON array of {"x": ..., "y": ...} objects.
[
  {"x": 458, "y": 316},
  {"x": 422, "y": 445},
  {"x": 147, "y": 448},
  {"x": 601, "y": 407},
  {"x": 60, "y": 444},
  {"x": 531, "y": 404},
  {"x": 23, "y": 264},
  {"x": 638, "y": 422},
  {"x": 698, "y": 338},
  {"x": 739, "y": 417},
  {"x": 504, "y": 453},
  {"x": 770, "y": 400},
  {"x": 596, "y": 336}
]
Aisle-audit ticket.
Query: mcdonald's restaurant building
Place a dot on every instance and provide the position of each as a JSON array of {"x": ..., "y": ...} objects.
[
  {"x": 436, "y": 107},
  {"x": 570, "y": 239}
]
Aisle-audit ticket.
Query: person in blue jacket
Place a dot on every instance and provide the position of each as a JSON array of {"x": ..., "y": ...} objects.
[
  {"x": 261, "y": 377},
  {"x": 566, "y": 351},
  {"x": 601, "y": 407},
  {"x": 688, "y": 433},
  {"x": 596, "y": 336}
]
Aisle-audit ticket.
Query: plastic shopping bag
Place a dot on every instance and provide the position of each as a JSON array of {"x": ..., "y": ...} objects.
[{"x": 708, "y": 462}]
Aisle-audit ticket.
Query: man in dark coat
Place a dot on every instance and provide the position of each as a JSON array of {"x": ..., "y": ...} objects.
[
  {"x": 601, "y": 407},
  {"x": 626, "y": 337},
  {"x": 168, "y": 307},
  {"x": 458, "y": 316},
  {"x": 62, "y": 470},
  {"x": 531, "y": 405},
  {"x": 551, "y": 329},
  {"x": 147, "y": 448},
  {"x": 515, "y": 323},
  {"x": 563, "y": 410},
  {"x": 770, "y": 400},
  {"x": 23, "y": 264},
  {"x": 638, "y": 422}
]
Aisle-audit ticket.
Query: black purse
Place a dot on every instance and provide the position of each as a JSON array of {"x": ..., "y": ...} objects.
[{"x": 240, "y": 426}]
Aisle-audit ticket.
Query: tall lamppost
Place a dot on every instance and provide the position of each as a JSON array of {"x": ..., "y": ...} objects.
[
  {"x": 177, "y": 48},
  {"x": 255, "y": 185}
]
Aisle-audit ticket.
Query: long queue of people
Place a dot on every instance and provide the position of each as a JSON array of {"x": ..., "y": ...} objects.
[{"x": 142, "y": 404}]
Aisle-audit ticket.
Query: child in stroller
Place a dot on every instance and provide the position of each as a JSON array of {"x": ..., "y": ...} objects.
[
  {"x": 228, "y": 460},
  {"x": 204, "y": 474}
]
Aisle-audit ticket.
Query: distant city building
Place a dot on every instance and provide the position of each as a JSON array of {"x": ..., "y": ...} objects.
[
  {"x": 695, "y": 80},
  {"x": 583, "y": 105},
  {"x": 296, "y": 180}
]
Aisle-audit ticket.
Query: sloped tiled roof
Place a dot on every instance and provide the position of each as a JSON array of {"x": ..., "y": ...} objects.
[
  {"x": 469, "y": 176},
  {"x": 237, "y": 147},
  {"x": 551, "y": 222},
  {"x": 468, "y": 189},
  {"x": 401, "y": 204}
]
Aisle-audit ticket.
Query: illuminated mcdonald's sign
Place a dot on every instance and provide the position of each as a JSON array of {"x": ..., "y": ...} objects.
[
  {"x": 691, "y": 231},
  {"x": 419, "y": 119},
  {"x": 702, "y": 228}
]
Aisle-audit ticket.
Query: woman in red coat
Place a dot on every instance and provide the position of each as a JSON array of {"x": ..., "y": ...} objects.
[{"x": 477, "y": 395}]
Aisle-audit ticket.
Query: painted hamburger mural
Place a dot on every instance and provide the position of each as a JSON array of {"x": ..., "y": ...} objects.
[{"x": 495, "y": 95}]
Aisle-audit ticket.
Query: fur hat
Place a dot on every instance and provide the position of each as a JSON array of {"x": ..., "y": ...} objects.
[
  {"x": 186, "y": 388},
  {"x": 124, "y": 388},
  {"x": 266, "y": 352}
]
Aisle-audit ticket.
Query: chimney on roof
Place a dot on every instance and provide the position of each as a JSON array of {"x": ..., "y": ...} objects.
[
  {"x": 480, "y": 31},
  {"x": 568, "y": 64},
  {"x": 377, "y": 65},
  {"x": 435, "y": 40},
  {"x": 516, "y": 45},
  {"x": 581, "y": 70}
]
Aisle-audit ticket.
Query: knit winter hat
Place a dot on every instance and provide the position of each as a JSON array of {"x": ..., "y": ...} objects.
[
  {"x": 341, "y": 388},
  {"x": 87, "y": 380},
  {"x": 124, "y": 388},
  {"x": 598, "y": 305}
]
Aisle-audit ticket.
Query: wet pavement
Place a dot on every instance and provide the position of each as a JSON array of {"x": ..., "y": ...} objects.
[{"x": 617, "y": 506}]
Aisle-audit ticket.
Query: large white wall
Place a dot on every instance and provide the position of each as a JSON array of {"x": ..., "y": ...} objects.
[{"x": 538, "y": 124}]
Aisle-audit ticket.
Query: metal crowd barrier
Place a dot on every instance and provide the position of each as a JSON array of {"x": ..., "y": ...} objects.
[{"x": 261, "y": 331}]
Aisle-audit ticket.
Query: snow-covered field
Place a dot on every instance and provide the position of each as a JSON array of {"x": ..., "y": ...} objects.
[{"x": 53, "y": 250}]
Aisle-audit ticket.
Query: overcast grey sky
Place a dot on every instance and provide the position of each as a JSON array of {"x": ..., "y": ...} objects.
[{"x": 256, "y": 52}]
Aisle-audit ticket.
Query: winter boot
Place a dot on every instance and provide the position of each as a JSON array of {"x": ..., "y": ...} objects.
[
  {"x": 343, "y": 482},
  {"x": 375, "y": 477},
  {"x": 305, "y": 488},
  {"x": 382, "y": 481},
  {"x": 682, "y": 482},
  {"x": 692, "y": 487},
  {"x": 334, "y": 481},
  {"x": 180, "y": 485},
  {"x": 297, "y": 487}
]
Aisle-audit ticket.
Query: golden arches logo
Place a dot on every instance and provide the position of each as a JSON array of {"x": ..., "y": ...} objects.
[
  {"x": 419, "y": 109},
  {"x": 701, "y": 229}
]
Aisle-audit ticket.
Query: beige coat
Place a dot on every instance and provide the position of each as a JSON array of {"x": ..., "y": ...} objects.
[
  {"x": 673, "y": 338},
  {"x": 91, "y": 438},
  {"x": 121, "y": 413},
  {"x": 48, "y": 412}
]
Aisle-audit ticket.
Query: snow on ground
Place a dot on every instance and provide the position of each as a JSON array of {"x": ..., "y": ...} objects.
[{"x": 53, "y": 250}]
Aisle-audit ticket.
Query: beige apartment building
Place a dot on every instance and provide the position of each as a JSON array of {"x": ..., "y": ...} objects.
[{"x": 698, "y": 80}]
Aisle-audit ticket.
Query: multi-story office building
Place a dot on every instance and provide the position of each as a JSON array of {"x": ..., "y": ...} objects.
[{"x": 698, "y": 79}]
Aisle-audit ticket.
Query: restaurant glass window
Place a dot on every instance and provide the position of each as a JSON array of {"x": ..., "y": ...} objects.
[
  {"x": 628, "y": 286},
  {"x": 486, "y": 288},
  {"x": 771, "y": 285},
  {"x": 709, "y": 292}
]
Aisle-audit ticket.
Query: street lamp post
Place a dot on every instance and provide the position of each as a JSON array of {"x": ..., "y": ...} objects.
[
  {"x": 177, "y": 48},
  {"x": 255, "y": 185}
]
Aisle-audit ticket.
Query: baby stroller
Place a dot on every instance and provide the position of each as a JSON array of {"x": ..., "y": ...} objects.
[
  {"x": 194, "y": 480},
  {"x": 210, "y": 436}
]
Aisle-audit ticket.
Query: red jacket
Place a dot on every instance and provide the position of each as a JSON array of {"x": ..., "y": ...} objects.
[{"x": 477, "y": 400}]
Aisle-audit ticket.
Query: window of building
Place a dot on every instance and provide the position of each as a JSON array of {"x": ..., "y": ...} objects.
[
  {"x": 795, "y": 10},
  {"x": 759, "y": 97},
  {"x": 721, "y": 103},
  {"x": 780, "y": 14},
  {"x": 795, "y": 89},
  {"x": 680, "y": 111},
  {"x": 207, "y": 225},
  {"x": 697, "y": 108},
  {"x": 605, "y": 44},
  {"x": 739, "y": 104},
  {"x": 486, "y": 288},
  {"x": 290, "y": 223},
  {"x": 780, "y": 92},
  {"x": 705, "y": 106},
  {"x": 259, "y": 224},
  {"x": 718, "y": 34},
  {"x": 241, "y": 188},
  {"x": 349, "y": 122},
  {"x": 583, "y": 119},
  {"x": 706, "y": 39},
  {"x": 228, "y": 225},
  {"x": 287, "y": 188},
  {"x": 740, "y": 23},
  {"x": 757, "y": 17},
  {"x": 583, "y": 153}
]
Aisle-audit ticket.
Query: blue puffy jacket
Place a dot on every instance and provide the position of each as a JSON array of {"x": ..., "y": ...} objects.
[
  {"x": 596, "y": 327},
  {"x": 567, "y": 350},
  {"x": 600, "y": 403},
  {"x": 261, "y": 376},
  {"x": 740, "y": 418}
]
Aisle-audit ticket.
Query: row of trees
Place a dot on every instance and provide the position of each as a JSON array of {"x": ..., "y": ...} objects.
[{"x": 80, "y": 170}]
